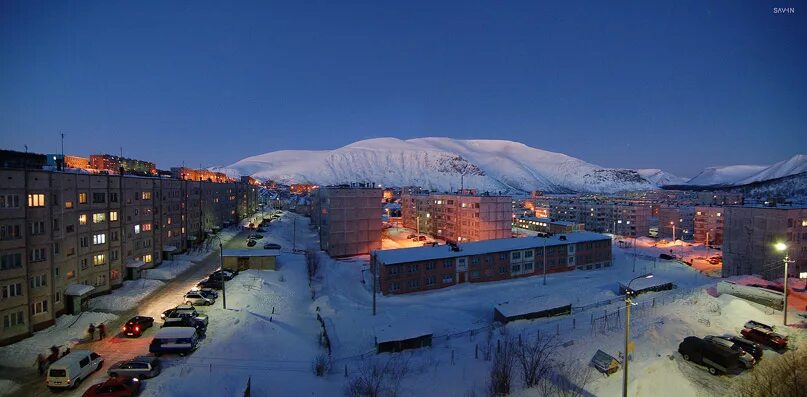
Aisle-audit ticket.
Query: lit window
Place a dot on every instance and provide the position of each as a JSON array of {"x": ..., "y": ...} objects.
[
  {"x": 137, "y": 229},
  {"x": 147, "y": 227},
  {"x": 147, "y": 258},
  {"x": 68, "y": 204},
  {"x": 146, "y": 196},
  {"x": 82, "y": 198},
  {"x": 36, "y": 200},
  {"x": 82, "y": 219},
  {"x": 99, "y": 238},
  {"x": 98, "y": 217},
  {"x": 718, "y": 214},
  {"x": 113, "y": 216},
  {"x": 98, "y": 260}
]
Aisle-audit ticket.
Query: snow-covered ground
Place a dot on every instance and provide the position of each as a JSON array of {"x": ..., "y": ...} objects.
[
  {"x": 67, "y": 331},
  {"x": 125, "y": 297},
  {"x": 8, "y": 387},
  {"x": 168, "y": 270}
]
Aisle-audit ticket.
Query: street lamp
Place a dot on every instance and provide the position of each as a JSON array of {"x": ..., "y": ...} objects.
[
  {"x": 221, "y": 272},
  {"x": 628, "y": 303},
  {"x": 780, "y": 246}
]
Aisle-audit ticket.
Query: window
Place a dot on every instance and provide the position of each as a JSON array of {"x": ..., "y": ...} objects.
[
  {"x": 413, "y": 283},
  {"x": 475, "y": 259},
  {"x": 37, "y": 228},
  {"x": 70, "y": 228},
  {"x": 39, "y": 280},
  {"x": 99, "y": 238},
  {"x": 82, "y": 219},
  {"x": 9, "y": 201},
  {"x": 515, "y": 255},
  {"x": 147, "y": 227},
  {"x": 70, "y": 275},
  {"x": 146, "y": 196},
  {"x": 100, "y": 280},
  {"x": 82, "y": 198},
  {"x": 99, "y": 217},
  {"x": 528, "y": 267},
  {"x": 137, "y": 229},
  {"x": 502, "y": 256},
  {"x": 12, "y": 290},
  {"x": 84, "y": 264},
  {"x": 10, "y": 261},
  {"x": 147, "y": 258},
  {"x": 13, "y": 319},
  {"x": 98, "y": 260},
  {"x": 502, "y": 270},
  {"x": 113, "y": 197},
  {"x": 475, "y": 274},
  {"x": 430, "y": 281},
  {"x": 10, "y": 232},
  {"x": 37, "y": 255},
  {"x": 447, "y": 264},
  {"x": 413, "y": 268},
  {"x": 448, "y": 279},
  {"x": 113, "y": 216},
  {"x": 55, "y": 224},
  {"x": 395, "y": 286},
  {"x": 113, "y": 255},
  {"x": 113, "y": 235},
  {"x": 68, "y": 204},
  {"x": 84, "y": 242},
  {"x": 528, "y": 254},
  {"x": 515, "y": 268},
  {"x": 98, "y": 198},
  {"x": 114, "y": 275},
  {"x": 58, "y": 297},
  {"x": 393, "y": 270},
  {"x": 36, "y": 200},
  {"x": 57, "y": 248},
  {"x": 430, "y": 266},
  {"x": 39, "y": 307}
]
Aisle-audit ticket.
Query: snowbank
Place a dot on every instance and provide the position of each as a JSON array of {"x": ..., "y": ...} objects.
[
  {"x": 168, "y": 270},
  {"x": 67, "y": 331},
  {"x": 126, "y": 297}
]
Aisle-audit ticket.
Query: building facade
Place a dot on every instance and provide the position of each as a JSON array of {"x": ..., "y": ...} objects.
[
  {"x": 68, "y": 236},
  {"x": 348, "y": 219},
  {"x": 676, "y": 222},
  {"x": 547, "y": 225},
  {"x": 623, "y": 218},
  {"x": 709, "y": 225},
  {"x": 458, "y": 218},
  {"x": 749, "y": 237},
  {"x": 418, "y": 269}
]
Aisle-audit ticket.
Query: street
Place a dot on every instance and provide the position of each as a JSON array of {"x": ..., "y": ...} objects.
[{"x": 115, "y": 348}]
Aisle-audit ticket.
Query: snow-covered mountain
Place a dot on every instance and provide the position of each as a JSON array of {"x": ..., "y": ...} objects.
[
  {"x": 443, "y": 164},
  {"x": 737, "y": 175},
  {"x": 661, "y": 178}
]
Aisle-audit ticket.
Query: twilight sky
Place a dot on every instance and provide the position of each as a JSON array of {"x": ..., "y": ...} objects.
[{"x": 673, "y": 85}]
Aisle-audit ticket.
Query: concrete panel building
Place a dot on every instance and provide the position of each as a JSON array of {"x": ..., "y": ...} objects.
[
  {"x": 624, "y": 218},
  {"x": 458, "y": 217},
  {"x": 678, "y": 220},
  {"x": 749, "y": 237},
  {"x": 348, "y": 219},
  {"x": 547, "y": 225},
  {"x": 709, "y": 223}
]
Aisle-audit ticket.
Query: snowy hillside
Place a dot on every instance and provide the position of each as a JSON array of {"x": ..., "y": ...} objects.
[
  {"x": 737, "y": 175},
  {"x": 661, "y": 178},
  {"x": 441, "y": 164}
]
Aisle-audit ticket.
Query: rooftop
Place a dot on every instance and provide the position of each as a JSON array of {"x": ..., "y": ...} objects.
[{"x": 406, "y": 255}]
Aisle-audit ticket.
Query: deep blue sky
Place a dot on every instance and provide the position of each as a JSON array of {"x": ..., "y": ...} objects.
[{"x": 675, "y": 85}]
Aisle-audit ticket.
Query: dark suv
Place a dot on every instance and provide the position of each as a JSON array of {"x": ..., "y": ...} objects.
[{"x": 716, "y": 358}]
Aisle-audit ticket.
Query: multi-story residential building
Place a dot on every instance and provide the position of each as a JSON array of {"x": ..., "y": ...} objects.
[
  {"x": 68, "y": 236},
  {"x": 750, "y": 234},
  {"x": 348, "y": 219},
  {"x": 676, "y": 222},
  {"x": 620, "y": 217},
  {"x": 719, "y": 198},
  {"x": 112, "y": 163},
  {"x": 709, "y": 225},
  {"x": 416, "y": 269},
  {"x": 458, "y": 217},
  {"x": 547, "y": 225}
]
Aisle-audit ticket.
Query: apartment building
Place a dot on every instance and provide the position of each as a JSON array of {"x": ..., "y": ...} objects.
[
  {"x": 719, "y": 198},
  {"x": 749, "y": 237},
  {"x": 458, "y": 217},
  {"x": 676, "y": 222},
  {"x": 68, "y": 236},
  {"x": 621, "y": 217},
  {"x": 348, "y": 219},
  {"x": 547, "y": 225},
  {"x": 408, "y": 270},
  {"x": 708, "y": 222}
]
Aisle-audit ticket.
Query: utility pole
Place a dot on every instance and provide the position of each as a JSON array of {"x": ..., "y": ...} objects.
[
  {"x": 221, "y": 273},
  {"x": 634, "y": 254},
  {"x": 294, "y": 235},
  {"x": 375, "y": 279},
  {"x": 545, "y": 238},
  {"x": 62, "y": 134},
  {"x": 707, "y": 245}
]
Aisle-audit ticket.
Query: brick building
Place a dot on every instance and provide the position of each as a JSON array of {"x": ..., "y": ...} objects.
[
  {"x": 621, "y": 217},
  {"x": 348, "y": 219},
  {"x": 426, "y": 268},
  {"x": 458, "y": 217}
]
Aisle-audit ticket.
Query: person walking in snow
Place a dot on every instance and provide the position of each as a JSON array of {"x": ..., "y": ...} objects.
[
  {"x": 91, "y": 331},
  {"x": 40, "y": 363},
  {"x": 101, "y": 331}
]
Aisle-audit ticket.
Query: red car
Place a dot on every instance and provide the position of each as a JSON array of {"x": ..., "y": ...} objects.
[
  {"x": 137, "y": 325},
  {"x": 115, "y": 387},
  {"x": 765, "y": 337}
]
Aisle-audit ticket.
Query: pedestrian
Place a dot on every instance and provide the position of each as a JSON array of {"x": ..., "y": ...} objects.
[
  {"x": 66, "y": 351},
  {"x": 101, "y": 331},
  {"x": 91, "y": 331},
  {"x": 40, "y": 363}
]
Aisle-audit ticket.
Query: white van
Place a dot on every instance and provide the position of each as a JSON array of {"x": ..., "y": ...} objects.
[
  {"x": 70, "y": 370},
  {"x": 180, "y": 340}
]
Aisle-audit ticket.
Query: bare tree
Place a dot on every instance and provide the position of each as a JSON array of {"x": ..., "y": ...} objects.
[
  {"x": 535, "y": 358},
  {"x": 377, "y": 377},
  {"x": 782, "y": 377},
  {"x": 567, "y": 379},
  {"x": 322, "y": 364},
  {"x": 501, "y": 368},
  {"x": 312, "y": 262}
]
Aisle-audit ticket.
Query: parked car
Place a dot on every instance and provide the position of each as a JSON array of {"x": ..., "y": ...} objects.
[
  {"x": 757, "y": 324},
  {"x": 213, "y": 283},
  {"x": 666, "y": 257},
  {"x": 188, "y": 311},
  {"x": 255, "y": 236},
  {"x": 114, "y": 387},
  {"x": 422, "y": 238},
  {"x": 411, "y": 236},
  {"x": 180, "y": 340},
  {"x": 765, "y": 337},
  {"x": 198, "y": 299},
  {"x": 251, "y": 243},
  {"x": 137, "y": 325},
  {"x": 746, "y": 358},
  {"x": 186, "y": 321},
  {"x": 218, "y": 274},
  {"x": 71, "y": 369},
  {"x": 754, "y": 349},
  {"x": 139, "y": 367},
  {"x": 271, "y": 246},
  {"x": 207, "y": 292},
  {"x": 714, "y": 261},
  {"x": 716, "y": 358}
]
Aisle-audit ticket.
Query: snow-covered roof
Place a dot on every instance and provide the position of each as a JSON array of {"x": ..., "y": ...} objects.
[
  {"x": 644, "y": 283},
  {"x": 538, "y": 304},
  {"x": 548, "y": 220},
  {"x": 250, "y": 252},
  {"x": 78, "y": 289},
  {"x": 405, "y": 255},
  {"x": 175, "y": 332},
  {"x": 401, "y": 331},
  {"x": 135, "y": 263},
  {"x": 169, "y": 248}
]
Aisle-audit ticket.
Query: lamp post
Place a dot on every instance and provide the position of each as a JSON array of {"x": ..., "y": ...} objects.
[
  {"x": 545, "y": 238},
  {"x": 628, "y": 303},
  {"x": 783, "y": 247},
  {"x": 221, "y": 273}
]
